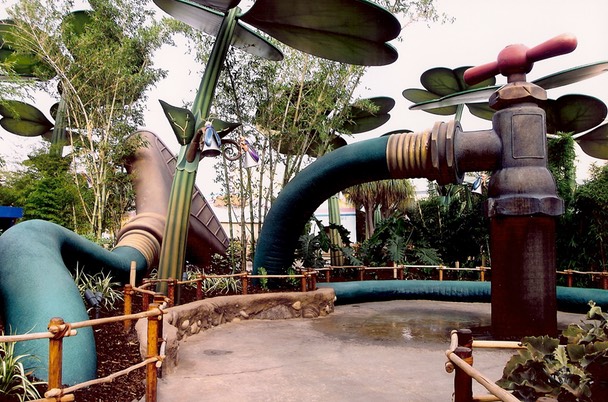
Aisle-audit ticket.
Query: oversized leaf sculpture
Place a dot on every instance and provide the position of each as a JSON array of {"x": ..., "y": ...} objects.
[
  {"x": 23, "y": 63},
  {"x": 569, "y": 113},
  {"x": 23, "y": 119},
  {"x": 363, "y": 120},
  {"x": 574, "y": 113},
  {"x": 349, "y": 31},
  {"x": 595, "y": 142},
  {"x": 353, "y": 32},
  {"x": 442, "y": 83}
]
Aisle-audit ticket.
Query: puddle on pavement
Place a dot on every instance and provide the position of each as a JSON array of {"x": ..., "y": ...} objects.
[{"x": 405, "y": 322}]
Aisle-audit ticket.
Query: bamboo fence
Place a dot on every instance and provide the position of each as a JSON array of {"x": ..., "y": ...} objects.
[{"x": 460, "y": 361}]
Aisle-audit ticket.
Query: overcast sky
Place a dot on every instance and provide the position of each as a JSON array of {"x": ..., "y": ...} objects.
[{"x": 482, "y": 28}]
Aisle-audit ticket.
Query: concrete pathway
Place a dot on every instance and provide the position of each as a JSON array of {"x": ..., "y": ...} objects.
[{"x": 381, "y": 351}]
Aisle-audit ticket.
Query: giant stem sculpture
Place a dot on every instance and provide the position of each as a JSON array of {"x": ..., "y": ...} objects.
[{"x": 353, "y": 32}]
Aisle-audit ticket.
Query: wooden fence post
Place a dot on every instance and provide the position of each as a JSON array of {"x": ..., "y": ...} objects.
[
  {"x": 145, "y": 299},
  {"x": 361, "y": 273},
  {"x": 482, "y": 273},
  {"x": 245, "y": 280},
  {"x": 441, "y": 272},
  {"x": 327, "y": 275},
  {"x": 199, "y": 287},
  {"x": 56, "y": 352},
  {"x": 303, "y": 284},
  {"x": 128, "y": 292},
  {"x": 605, "y": 280},
  {"x": 463, "y": 383},
  {"x": 313, "y": 280},
  {"x": 569, "y": 277},
  {"x": 152, "y": 351},
  {"x": 171, "y": 291}
]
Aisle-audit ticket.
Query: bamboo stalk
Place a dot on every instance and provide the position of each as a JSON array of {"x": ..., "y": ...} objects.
[{"x": 502, "y": 394}]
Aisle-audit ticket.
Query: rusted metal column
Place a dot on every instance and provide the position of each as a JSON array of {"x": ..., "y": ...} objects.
[{"x": 522, "y": 199}]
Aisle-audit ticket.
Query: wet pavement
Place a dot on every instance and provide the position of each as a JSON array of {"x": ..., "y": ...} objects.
[{"x": 379, "y": 351}]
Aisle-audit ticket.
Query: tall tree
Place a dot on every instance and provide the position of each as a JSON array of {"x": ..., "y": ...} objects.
[
  {"x": 388, "y": 196},
  {"x": 293, "y": 111},
  {"x": 102, "y": 60}
]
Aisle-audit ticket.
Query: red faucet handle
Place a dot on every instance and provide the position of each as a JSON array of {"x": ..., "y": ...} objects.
[{"x": 518, "y": 59}]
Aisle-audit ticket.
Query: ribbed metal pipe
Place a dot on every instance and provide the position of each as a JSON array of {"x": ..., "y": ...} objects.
[{"x": 408, "y": 155}]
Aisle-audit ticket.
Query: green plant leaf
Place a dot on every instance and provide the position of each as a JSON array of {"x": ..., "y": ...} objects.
[{"x": 182, "y": 122}]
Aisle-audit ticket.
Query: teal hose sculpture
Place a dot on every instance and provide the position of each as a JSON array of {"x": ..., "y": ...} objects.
[{"x": 35, "y": 285}]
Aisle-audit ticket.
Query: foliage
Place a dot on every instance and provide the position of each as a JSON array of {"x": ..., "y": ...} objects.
[
  {"x": 389, "y": 196},
  {"x": 583, "y": 232},
  {"x": 14, "y": 380},
  {"x": 392, "y": 243},
  {"x": 98, "y": 283},
  {"x": 452, "y": 221},
  {"x": 46, "y": 190},
  {"x": 263, "y": 281},
  {"x": 214, "y": 285},
  {"x": 103, "y": 67},
  {"x": 572, "y": 368},
  {"x": 560, "y": 161},
  {"x": 229, "y": 263}
]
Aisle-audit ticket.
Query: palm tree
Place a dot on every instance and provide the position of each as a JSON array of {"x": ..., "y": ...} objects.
[{"x": 387, "y": 195}]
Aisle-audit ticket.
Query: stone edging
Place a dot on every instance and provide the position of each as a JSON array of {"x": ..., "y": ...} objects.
[{"x": 182, "y": 321}]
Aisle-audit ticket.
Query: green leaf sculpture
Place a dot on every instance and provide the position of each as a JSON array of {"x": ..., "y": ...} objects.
[
  {"x": 574, "y": 113},
  {"x": 442, "y": 83},
  {"x": 23, "y": 119},
  {"x": 23, "y": 63},
  {"x": 363, "y": 120},
  {"x": 208, "y": 20},
  {"x": 353, "y": 32},
  {"x": 182, "y": 122},
  {"x": 595, "y": 142}
]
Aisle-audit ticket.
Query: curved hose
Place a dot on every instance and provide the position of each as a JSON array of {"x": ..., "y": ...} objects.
[
  {"x": 353, "y": 164},
  {"x": 35, "y": 285},
  {"x": 568, "y": 299},
  {"x": 398, "y": 156}
]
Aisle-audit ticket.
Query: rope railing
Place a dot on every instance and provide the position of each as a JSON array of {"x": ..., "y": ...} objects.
[
  {"x": 308, "y": 282},
  {"x": 460, "y": 361},
  {"x": 400, "y": 270},
  {"x": 58, "y": 329}
]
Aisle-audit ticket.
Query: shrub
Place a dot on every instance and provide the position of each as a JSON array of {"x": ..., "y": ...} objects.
[
  {"x": 100, "y": 284},
  {"x": 14, "y": 380},
  {"x": 571, "y": 368}
]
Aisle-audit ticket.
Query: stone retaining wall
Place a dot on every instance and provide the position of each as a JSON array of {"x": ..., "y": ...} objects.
[{"x": 182, "y": 321}]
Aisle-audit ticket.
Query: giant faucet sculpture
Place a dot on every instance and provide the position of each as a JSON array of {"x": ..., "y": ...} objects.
[{"x": 522, "y": 205}]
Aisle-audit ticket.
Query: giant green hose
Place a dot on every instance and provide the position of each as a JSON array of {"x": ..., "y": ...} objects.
[
  {"x": 35, "y": 285},
  {"x": 347, "y": 166}
]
